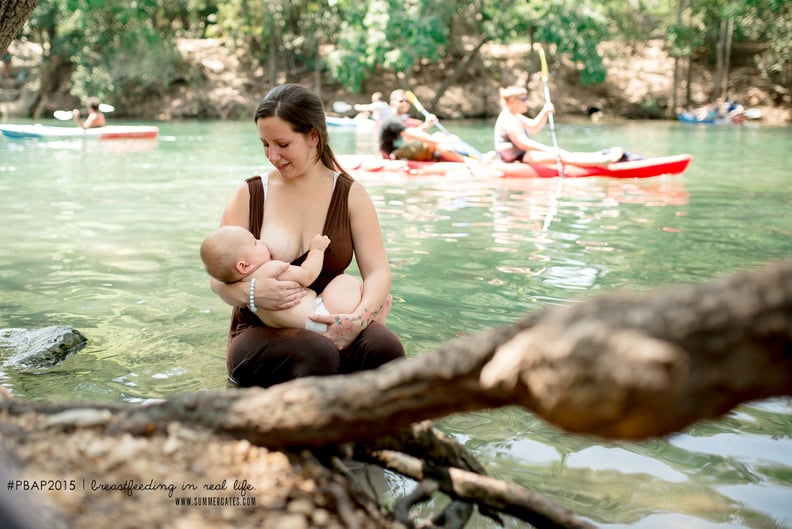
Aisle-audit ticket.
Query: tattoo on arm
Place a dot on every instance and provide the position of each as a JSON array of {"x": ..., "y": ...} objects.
[{"x": 365, "y": 318}]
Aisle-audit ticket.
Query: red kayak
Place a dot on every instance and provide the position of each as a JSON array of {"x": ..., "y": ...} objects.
[{"x": 365, "y": 164}]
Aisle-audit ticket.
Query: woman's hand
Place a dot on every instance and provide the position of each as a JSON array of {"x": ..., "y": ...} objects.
[
  {"x": 342, "y": 329},
  {"x": 274, "y": 294},
  {"x": 271, "y": 293}
]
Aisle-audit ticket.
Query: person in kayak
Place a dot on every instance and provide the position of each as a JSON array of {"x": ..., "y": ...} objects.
[
  {"x": 95, "y": 116},
  {"x": 398, "y": 141},
  {"x": 513, "y": 130},
  {"x": 306, "y": 192},
  {"x": 232, "y": 253},
  {"x": 375, "y": 110}
]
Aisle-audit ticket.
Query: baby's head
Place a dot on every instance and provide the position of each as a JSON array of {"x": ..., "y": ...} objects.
[{"x": 231, "y": 252}]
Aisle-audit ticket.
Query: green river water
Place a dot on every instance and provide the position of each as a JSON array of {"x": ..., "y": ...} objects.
[{"x": 103, "y": 236}]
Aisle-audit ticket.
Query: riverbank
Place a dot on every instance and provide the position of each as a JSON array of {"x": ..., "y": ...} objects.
[
  {"x": 65, "y": 471},
  {"x": 638, "y": 85},
  {"x": 224, "y": 85}
]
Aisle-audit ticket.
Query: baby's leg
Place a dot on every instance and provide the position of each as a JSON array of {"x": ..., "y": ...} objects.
[{"x": 342, "y": 294}]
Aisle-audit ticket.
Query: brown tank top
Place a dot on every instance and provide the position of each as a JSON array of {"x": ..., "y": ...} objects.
[{"x": 338, "y": 255}]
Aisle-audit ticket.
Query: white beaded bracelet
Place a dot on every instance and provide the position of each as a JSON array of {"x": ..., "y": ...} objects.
[{"x": 252, "y": 305}]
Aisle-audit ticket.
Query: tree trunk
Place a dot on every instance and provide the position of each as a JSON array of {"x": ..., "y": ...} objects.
[
  {"x": 672, "y": 110},
  {"x": 620, "y": 366},
  {"x": 458, "y": 69},
  {"x": 719, "y": 54},
  {"x": 727, "y": 57},
  {"x": 13, "y": 14},
  {"x": 55, "y": 76},
  {"x": 675, "y": 85},
  {"x": 623, "y": 365}
]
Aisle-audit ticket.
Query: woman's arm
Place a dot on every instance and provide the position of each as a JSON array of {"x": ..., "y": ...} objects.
[
  {"x": 370, "y": 254},
  {"x": 537, "y": 123},
  {"x": 420, "y": 133},
  {"x": 374, "y": 269},
  {"x": 516, "y": 129},
  {"x": 270, "y": 293}
]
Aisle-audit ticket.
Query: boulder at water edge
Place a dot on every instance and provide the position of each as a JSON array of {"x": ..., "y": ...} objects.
[{"x": 35, "y": 349}]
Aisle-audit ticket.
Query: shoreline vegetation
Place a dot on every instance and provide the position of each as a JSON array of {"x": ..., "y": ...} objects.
[
  {"x": 638, "y": 85},
  {"x": 216, "y": 59}
]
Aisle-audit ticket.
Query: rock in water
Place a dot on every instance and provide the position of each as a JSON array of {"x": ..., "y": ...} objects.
[{"x": 33, "y": 349}]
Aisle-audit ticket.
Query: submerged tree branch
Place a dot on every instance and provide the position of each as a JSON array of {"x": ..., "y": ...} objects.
[
  {"x": 632, "y": 366},
  {"x": 622, "y": 366},
  {"x": 505, "y": 497}
]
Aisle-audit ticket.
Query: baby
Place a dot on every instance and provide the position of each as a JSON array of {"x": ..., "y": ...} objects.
[{"x": 232, "y": 253}]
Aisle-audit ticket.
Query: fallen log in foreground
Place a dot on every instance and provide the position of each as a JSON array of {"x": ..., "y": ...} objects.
[
  {"x": 620, "y": 366},
  {"x": 624, "y": 365}
]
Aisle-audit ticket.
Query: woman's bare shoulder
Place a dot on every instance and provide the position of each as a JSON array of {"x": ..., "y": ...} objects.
[{"x": 236, "y": 211}]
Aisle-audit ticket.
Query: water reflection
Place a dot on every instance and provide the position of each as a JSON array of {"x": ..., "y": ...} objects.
[
  {"x": 507, "y": 220},
  {"x": 101, "y": 147}
]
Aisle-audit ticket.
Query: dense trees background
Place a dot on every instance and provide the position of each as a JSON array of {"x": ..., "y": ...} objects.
[{"x": 110, "y": 48}]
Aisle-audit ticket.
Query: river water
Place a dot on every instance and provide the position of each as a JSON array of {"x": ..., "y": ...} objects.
[{"x": 103, "y": 236}]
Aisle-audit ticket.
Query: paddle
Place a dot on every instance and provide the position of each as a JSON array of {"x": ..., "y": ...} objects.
[
  {"x": 341, "y": 107},
  {"x": 550, "y": 120},
  {"x": 461, "y": 147},
  {"x": 66, "y": 115}
]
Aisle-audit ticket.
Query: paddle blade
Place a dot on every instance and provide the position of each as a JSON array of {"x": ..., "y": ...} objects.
[
  {"x": 63, "y": 115},
  {"x": 341, "y": 107},
  {"x": 414, "y": 100},
  {"x": 104, "y": 107},
  {"x": 545, "y": 70}
]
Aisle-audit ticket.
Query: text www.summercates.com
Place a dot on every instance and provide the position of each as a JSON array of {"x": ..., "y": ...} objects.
[{"x": 215, "y": 501}]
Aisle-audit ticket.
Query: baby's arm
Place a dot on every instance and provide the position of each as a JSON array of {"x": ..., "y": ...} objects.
[
  {"x": 309, "y": 270},
  {"x": 271, "y": 269}
]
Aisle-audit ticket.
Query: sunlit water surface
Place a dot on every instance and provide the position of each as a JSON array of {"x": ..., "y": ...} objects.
[{"x": 103, "y": 236}]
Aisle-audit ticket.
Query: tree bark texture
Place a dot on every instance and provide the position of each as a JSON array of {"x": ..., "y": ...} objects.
[
  {"x": 13, "y": 14},
  {"x": 623, "y": 365},
  {"x": 458, "y": 69}
]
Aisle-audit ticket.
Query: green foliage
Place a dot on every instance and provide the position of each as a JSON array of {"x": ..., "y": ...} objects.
[
  {"x": 119, "y": 51},
  {"x": 651, "y": 108},
  {"x": 692, "y": 28},
  {"x": 770, "y": 21},
  {"x": 359, "y": 44},
  {"x": 574, "y": 29},
  {"x": 389, "y": 34},
  {"x": 129, "y": 49},
  {"x": 577, "y": 31},
  {"x": 281, "y": 35}
]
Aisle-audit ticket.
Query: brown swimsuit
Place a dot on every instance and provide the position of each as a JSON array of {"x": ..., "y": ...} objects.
[{"x": 258, "y": 355}]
